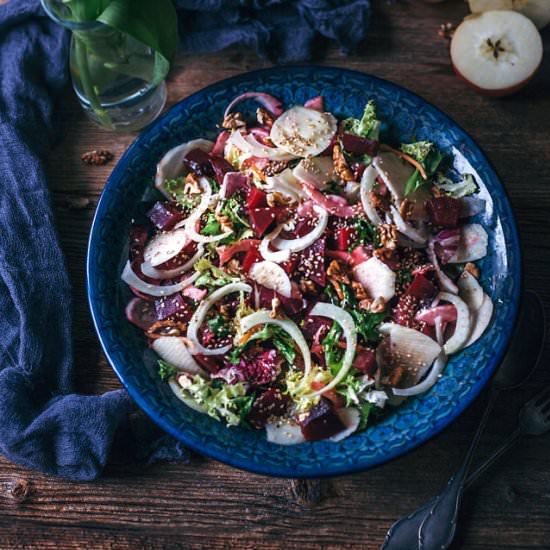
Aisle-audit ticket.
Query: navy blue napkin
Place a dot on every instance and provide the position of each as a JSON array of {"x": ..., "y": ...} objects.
[{"x": 44, "y": 424}]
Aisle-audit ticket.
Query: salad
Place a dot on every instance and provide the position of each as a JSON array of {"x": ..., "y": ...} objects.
[{"x": 301, "y": 273}]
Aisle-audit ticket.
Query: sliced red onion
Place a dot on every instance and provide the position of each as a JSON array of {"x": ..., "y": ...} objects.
[
  {"x": 427, "y": 383},
  {"x": 429, "y": 316},
  {"x": 272, "y": 276},
  {"x": 329, "y": 203},
  {"x": 193, "y": 218},
  {"x": 367, "y": 183},
  {"x": 301, "y": 243},
  {"x": 482, "y": 318},
  {"x": 174, "y": 351},
  {"x": 351, "y": 418},
  {"x": 194, "y": 293},
  {"x": 345, "y": 320},
  {"x": 263, "y": 317},
  {"x": 316, "y": 103},
  {"x": 473, "y": 244},
  {"x": 406, "y": 228},
  {"x": 272, "y": 104},
  {"x": 284, "y": 182},
  {"x": 250, "y": 145},
  {"x": 463, "y": 326},
  {"x": 200, "y": 314},
  {"x": 171, "y": 165},
  {"x": 443, "y": 279},
  {"x": 149, "y": 271},
  {"x": 131, "y": 279}
]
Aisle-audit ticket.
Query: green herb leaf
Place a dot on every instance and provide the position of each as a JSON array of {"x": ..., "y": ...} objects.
[
  {"x": 210, "y": 275},
  {"x": 413, "y": 183},
  {"x": 166, "y": 370},
  {"x": 365, "y": 410},
  {"x": 367, "y": 126},
  {"x": 212, "y": 226},
  {"x": 333, "y": 352},
  {"x": 219, "y": 326},
  {"x": 366, "y": 233}
]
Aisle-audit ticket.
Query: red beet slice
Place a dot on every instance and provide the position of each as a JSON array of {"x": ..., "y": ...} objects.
[
  {"x": 421, "y": 287},
  {"x": 220, "y": 167},
  {"x": 444, "y": 211},
  {"x": 360, "y": 145},
  {"x": 321, "y": 422},
  {"x": 365, "y": 361},
  {"x": 256, "y": 198},
  {"x": 138, "y": 239},
  {"x": 270, "y": 403},
  {"x": 199, "y": 162},
  {"x": 311, "y": 262},
  {"x": 261, "y": 219},
  {"x": 164, "y": 215},
  {"x": 141, "y": 313}
]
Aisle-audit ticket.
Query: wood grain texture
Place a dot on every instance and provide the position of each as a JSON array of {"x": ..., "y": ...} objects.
[{"x": 207, "y": 505}]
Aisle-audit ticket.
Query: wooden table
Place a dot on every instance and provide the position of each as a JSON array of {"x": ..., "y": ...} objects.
[{"x": 208, "y": 505}]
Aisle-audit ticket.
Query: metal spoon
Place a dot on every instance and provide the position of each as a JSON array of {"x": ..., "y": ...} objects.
[{"x": 434, "y": 524}]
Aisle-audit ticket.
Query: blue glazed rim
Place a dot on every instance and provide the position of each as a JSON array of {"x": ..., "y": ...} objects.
[{"x": 324, "y": 470}]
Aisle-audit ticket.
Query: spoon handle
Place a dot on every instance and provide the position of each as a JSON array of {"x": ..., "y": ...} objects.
[{"x": 438, "y": 528}]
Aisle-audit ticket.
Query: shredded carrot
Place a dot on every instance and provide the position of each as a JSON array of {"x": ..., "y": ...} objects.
[{"x": 406, "y": 157}]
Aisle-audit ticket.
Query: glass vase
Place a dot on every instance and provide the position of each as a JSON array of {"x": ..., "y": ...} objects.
[{"x": 112, "y": 74}]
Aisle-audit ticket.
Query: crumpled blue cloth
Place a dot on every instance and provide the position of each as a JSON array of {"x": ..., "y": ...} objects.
[
  {"x": 44, "y": 424},
  {"x": 282, "y": 30}
]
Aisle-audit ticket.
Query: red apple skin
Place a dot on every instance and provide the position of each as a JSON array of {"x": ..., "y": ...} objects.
[{"x": 494, "y": 93}]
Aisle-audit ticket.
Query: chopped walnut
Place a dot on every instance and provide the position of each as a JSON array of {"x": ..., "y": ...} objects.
[
  {"x": 365, "y": 303},
  {"x": 224, "y": 221},
  {"x": 380, "y": 203},
  {"x": 359, "y": 291},
  {"x": 336, "y": 272},
  {"x": 233, "y": 121},
  {"x": 340, "y": 164},
  {"x": 225, "y": 311},
  {"x": 387, "y": 233},
  {"x": 406, "y": 209},
  {"x": 166, "y": 327},
  {"x": 97, "y": 157},
  {"x": 192, "y": 184},
  {"x": 274, "y": 167},
  {"x": 472, "y": 269},
  {"x": 233, "y": 267},
  {"x": 264, "y": 117},
  {"x": 378, "y": 305},
  {"x": 277, "y": 199}
]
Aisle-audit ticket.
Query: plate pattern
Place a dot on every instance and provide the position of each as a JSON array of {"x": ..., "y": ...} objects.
[{"x": 345, "y": 93}]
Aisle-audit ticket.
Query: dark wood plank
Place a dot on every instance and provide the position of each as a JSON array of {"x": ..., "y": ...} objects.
[{"x": 208, "y": 505}]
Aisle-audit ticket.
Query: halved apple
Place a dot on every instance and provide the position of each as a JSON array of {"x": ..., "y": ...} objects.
[
  {"x": 537, "y": 10},
  {"x": 496, "y": 52}
]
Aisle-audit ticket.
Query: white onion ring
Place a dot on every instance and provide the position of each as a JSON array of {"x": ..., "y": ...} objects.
[
  {"x": 191, "y": 222},
  {"x": 427, "y": 383},
  {"x": 367, "y": 183},
  {"x": 131, "y": 279},
  {"x": 443, "y": 279},
  {"x": 280, "y": 255},
  {"x": 252, "y": 146},
  {"x": 406, "y": 228},
  {"x": 200, "y": 313},
  {"x": 149, "y": 271},
  {"x": 263, "y": 317},
  {"x": 296, "y": 245},
  {"x": 345, "y": 320},
  {"x": 463, "y": 323}
]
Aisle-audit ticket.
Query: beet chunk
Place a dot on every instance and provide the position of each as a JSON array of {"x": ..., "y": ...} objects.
[
  {"x": 165, "y": 215},
  {"x": 359, "y": 145},
  {"x": 199, "y": 162},
  {"x": 311, "y": 262},
  {"x": 321, "y": 422},
  {"x": 443, "y": 211},
  {"x": 270, "y": 403}
]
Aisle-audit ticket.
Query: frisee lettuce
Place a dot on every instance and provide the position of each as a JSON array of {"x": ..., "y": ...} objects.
[
  {"x": 426, "y": 153},
  {"x": 367, "y": 126},
  {"x": 210, "y": 275},
  {"x": 463, "y": 188},
  {"x": 166, "y": 370},
  {"x": 298, "y": 387}
]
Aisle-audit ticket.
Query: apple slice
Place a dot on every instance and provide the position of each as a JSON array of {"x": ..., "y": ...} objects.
[
  {"x": 537, "y": 10},
  {"x": 496, "y": 52}
]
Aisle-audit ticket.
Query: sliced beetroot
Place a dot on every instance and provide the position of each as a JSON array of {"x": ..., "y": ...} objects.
[
  {"x": 236, "y": 181},
  {"x": 261, "y": 134},
  {"x": 290, "y": 265},
  {"x": 260, "y": 368},
  {"x": 447, "y": 314},
  {"x": 359, "y": 145},
  {"x": 210, "y": 363},
  {"x": 345, "y": 257},
  {"x": 173, "y": 307},
  {"x": 138, "y": 236},
  {"x": 261, "y": 219},
  {"x": 316, "y": 103},
  {"x": 185, "y": 253},
  {"x": 405, "y": 311},
  {"x": 141, "y": 313},
  {"x": 219, "y": 147},
  {"x": 446, "y": 243},
  {"x": 291, "y": 306},
  {"x": 164, "y": 215},
  {"x": 220, "y": 167},
  {"x": 444, "y": 211},
  {"x": 421, "y": 287},
  {"x": 251, "y": 257},
  {"x": 198, "y": 161},
  {"x": 256, "y": 198},
  {"x": 270, "y": 403},
  {"x": 315, "y": 326},
  {"x": 311, "y": 262},
  {"x": 321, "y": 422},
  {"x": 344, "y": 237},
  {"x": 365, "y": 361}
]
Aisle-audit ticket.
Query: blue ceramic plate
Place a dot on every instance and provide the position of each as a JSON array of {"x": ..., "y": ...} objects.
[{"x": 345, "y": 93}]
